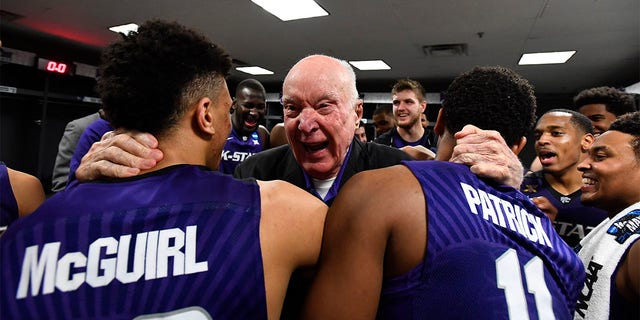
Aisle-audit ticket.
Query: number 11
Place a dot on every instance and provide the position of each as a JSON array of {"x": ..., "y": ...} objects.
[{"x": 510, "y": 280}]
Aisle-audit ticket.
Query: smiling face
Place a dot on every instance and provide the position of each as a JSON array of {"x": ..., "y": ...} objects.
[
  {"x": 383, "y": 122},
  {"x": 558, "y": 143},
  {"x": 407, "y": 108},
  {"x": 599, "y": 116},
  {"x": 321, "y": 112},
  {"x": 250, "y": 109},
  {"x": 611, "y": 173}
]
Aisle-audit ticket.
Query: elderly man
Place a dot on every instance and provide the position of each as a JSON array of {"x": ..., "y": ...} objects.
[{"x": 321, "y": 112}]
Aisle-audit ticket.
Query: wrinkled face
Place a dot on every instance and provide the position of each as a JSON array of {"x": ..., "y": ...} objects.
[
  {"x": 558, "y": 143},
  {"x": 383, "y": 122},
  {"x": 361, "y": 134},
  {"x": 407, "y": 108},
  {"x": 221, "y": 108},
  {"x": 320, "y": 115},
  {"x": 611, "y": 173},
  {"x": 599, "y": 116},
  {"x": 250, "y": 109},
  {"x": 423, "y": 120}
]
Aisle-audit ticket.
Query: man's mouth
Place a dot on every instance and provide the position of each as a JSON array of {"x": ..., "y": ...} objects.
[
  {"x": 314, "y": 147},
  {"x": 546, "y": 157},
  {"x": 250, "y": 123}
]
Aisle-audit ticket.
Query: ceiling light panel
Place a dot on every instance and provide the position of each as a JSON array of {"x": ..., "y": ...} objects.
[
  {"x": 254, "y": 70},
  {"x": 287, "y": 10},
  {"x": 545, "y": 57},
  {"x": 370, "y": 65}
]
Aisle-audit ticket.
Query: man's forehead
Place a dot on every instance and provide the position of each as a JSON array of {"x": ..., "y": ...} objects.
[{"x": 612, "y": 138}]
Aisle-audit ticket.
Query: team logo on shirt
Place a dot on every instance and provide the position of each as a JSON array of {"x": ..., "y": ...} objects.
[
  {"x": 530, "y": 188},
  {"x": 626, "y": 226}
]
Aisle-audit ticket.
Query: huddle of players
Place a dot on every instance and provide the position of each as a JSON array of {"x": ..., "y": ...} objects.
[{"x": 418, "y": 239}]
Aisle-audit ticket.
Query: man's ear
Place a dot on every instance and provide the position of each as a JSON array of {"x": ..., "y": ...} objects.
[
  {"x": 587, "y": 141},
  {"x": 439, "y": 126},
  {"x": 203, "y": 116},
  {"x": 516, "y": 148},
  {"x": 423, "y": 106},
  {"x": 358, "y": 109}
]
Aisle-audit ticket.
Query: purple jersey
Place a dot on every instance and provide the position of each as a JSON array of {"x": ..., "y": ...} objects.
[
  {"x": 574, "y": 220},
  {"x": 8, "y": 204},
  {"x": 237, "y": 148},
  {"x": 181, "y": 241},
  {"x": 490, "y": 255}
]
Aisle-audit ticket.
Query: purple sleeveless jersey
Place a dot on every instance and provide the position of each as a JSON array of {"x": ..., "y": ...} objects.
[
  {"x": 237, "y": 148},
  {"x": 574, "y": 220},
  {"x": 181, "y": 242},
  {"x": 490, "y": 255}
]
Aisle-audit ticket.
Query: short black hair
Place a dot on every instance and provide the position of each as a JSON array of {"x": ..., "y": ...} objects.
[
  {"x": 578, "y": 120},
  {"x": 616, "y": 101},
  {"x": 385, "y": 109},
  {"x": 630, "y": 124},
  {"x": 251, "y": 84},
  {"x": 150, "y": 77},
  {"x": 491, "y": 98}
]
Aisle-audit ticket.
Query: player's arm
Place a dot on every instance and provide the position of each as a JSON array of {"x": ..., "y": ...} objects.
[
  {"x": 290, "y": 236},
  {"x": 628, "y": 278},
  {"x": 263, "y": 134},
  {"x": 119, "y": 155},
  {"x": 28, "y": 191},
  {"x": 419, "y": 152},
  {"x": 358, "y": 233}
]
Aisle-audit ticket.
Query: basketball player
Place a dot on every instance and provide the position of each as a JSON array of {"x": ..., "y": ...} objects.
[
  {"x": 181, "y": 240},
  {"x": 431, "y": 239}
]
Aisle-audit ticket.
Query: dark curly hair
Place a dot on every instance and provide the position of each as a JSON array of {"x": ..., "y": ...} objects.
[
  {"x": 630, "y": 124},
  {"x": 616, "y": 101},
  {"x": 491, "y": 98},
  {"x": 151, "y": 77}
]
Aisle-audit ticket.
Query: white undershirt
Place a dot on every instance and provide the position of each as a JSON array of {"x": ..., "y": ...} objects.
[{"x": 323, "y": 186}]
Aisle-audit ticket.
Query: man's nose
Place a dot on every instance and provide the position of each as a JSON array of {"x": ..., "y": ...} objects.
[{"x": 308, "y": 120}]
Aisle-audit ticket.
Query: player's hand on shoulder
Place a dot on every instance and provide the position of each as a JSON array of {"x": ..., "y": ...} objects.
[
  {"x": 119, "y": 154},
  {"x": 487, "y": 155},
  {"x": 419, "y": 152},
  {"x": 545, "y": 206}
]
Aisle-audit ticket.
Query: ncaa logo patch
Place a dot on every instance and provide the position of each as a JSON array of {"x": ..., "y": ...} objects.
[{"x": 626, "y": 226}]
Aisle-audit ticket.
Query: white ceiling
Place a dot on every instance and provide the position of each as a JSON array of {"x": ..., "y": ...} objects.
[{"x": 605, "y": 33}]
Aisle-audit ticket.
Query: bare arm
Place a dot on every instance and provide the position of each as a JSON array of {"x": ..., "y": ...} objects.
[
  {"x": 119, "y": 154},
  {"x": 263, "y": 133},
  {"x": 419, "y": 152},
  {"x": 370, "y": 233},
  {"x": 628, "y": 277},
  {"x": 290, "y": 236},
  {"x": 487, "y": 155},
  {"x": 28, "y": 191}
]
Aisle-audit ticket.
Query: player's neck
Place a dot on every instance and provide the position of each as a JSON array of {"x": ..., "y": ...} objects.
[
  {"x": 566, "y": 182},
  {"x": 411, "y": 134},
  {"x": 181, "y": 149}
]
